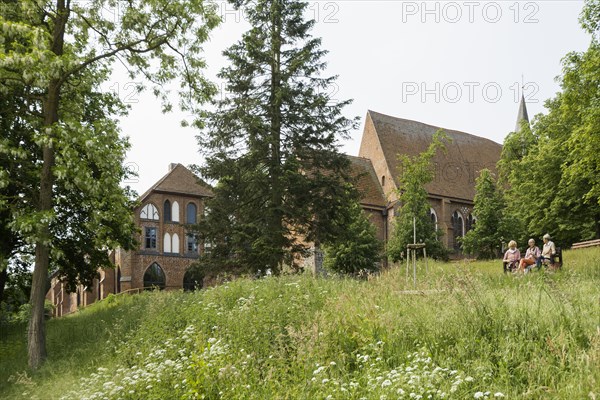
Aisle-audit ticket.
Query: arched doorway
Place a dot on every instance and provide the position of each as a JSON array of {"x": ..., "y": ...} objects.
[
  {"x": 154, "y": 277},
  {"x": 192, "y": 280}
]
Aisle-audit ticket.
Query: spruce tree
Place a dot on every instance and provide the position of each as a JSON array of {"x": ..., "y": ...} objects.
[
  {"x": 272, "y": 146},
  {"x": 356, "y": 252}
]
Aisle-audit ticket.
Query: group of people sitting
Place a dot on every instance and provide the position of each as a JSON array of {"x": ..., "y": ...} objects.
[{"x": 533, "y": 255}]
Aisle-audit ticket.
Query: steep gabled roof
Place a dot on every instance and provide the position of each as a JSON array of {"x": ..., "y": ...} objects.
[
  {"x": 180, "y": 180},
  {"x": 371, "y": 193},
  {"x": 456, "y": 170}
]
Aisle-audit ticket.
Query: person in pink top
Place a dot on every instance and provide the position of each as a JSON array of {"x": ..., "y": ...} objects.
[
  {"x": 531, "y": 255},
  {"x": 512, "y": 256}
]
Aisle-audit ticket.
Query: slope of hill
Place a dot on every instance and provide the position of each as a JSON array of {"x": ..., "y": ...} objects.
[{"x": 467, "y": 331}]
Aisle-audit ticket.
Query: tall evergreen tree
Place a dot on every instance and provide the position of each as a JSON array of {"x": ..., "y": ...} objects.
[
  {"x": 416, "y": 173},
  {"x": 272, "y": 145}
]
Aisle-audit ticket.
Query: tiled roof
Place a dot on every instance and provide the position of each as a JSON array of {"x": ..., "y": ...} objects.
[
  {"x": 368, "y": 185},
  {"x": 456, "y": 170},
  {"x": 180, "y": 180}
]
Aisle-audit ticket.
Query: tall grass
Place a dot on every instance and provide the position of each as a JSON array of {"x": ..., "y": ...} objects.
[{"x": 465, "y": 331}]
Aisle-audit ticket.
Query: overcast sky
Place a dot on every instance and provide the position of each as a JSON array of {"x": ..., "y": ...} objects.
[{"x": 458, "y": 65}]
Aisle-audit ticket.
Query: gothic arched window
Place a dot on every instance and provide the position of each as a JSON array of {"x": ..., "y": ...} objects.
[
  {"x": 154, "y": 277},
  {"x": 167, "y": 211},
  {"x": 167, "y": 243},
  {"x": 149, "y": 212},
  {"x": 175, "y": 212},
  {"x": 191, "y": 213},
  {"x": 458, "y": 227},
  {"x": 434, "y": 218},
  {"x": 470, "y": 222}
]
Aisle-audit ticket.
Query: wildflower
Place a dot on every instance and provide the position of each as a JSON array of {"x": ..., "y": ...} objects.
[
  {"x": 386, "y": 383},
  {"x": 478, "y": 395},
  {"x": 498, "y": 394},
  {"x": 469, "y": 379},
  {"x": 318, "y": 370}
]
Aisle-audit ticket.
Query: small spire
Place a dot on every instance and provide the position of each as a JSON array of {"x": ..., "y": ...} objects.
[{"x": 522, "y": 114}]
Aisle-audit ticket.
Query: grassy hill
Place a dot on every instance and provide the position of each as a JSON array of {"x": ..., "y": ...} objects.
[{"x": 467, "y": 331}]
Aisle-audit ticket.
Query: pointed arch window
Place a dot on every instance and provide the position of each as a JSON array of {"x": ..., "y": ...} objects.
[
  {"x": 154, "y": 277},
  {"x": 175, "y": 244},
  {"x": 167, "y": 243},
  {"x": 434, "y": 218},
  {"x": 149, "y": 211},
  {"x": 470, "y": 222},
  {"x": 458, "y": 226},
  {"x": 171, "y": 243},
  {"x": 175, "y": 212},
  {"x": 191, "y": 213},
  {"x": 167, "y": 211}
]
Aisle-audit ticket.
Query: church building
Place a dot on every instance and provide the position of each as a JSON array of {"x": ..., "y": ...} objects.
[
  {"x": 166, "y": 250},
  {"x": 452, "y": 191}
]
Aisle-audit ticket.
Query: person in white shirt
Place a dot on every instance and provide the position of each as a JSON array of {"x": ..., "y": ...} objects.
[{"x": 547, "y": 251}]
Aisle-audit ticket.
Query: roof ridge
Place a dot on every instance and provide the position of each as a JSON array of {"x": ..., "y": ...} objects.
[
  {"x": 431, "y": 126},
  {"x": 157, "y": 183}
]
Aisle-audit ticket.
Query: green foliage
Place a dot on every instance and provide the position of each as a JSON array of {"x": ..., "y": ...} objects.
[
  {"x": 416, "y": 173},
  {"x": 552, "y": 184},
  {"x": 356, "y": 251},
  {"x": 272, "y": 146},
  {"x": 17, "y": 286},
  {"x": 467, "y": 328},
  {"x": 493, "y": 224}
]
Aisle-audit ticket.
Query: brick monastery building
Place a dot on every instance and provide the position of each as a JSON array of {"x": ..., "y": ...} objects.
[{"x": 166, "y": 250}]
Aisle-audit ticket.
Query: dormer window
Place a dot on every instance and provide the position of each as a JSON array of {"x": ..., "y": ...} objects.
[{"x": 149, "y": 212}]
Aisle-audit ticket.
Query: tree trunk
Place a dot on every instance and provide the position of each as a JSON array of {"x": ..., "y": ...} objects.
[
  {"x": 3, "y": 279},
  {"x": 276, "y": 220},
  {"x": 36, "y": 334}
]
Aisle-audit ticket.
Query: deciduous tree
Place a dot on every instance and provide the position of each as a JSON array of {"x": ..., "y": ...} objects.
[
  {"x": 493, "y": 225},
  {"x": 60, "y": 52},
  {"x": 416, "y": 172},
  {"x": 553, "y": 185}
]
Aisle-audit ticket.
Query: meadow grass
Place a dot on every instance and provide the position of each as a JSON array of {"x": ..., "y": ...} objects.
[{"x": 465, "y": 331}]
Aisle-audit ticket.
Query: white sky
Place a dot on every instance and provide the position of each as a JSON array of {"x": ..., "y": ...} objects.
[{"x": 458, "y": 65}]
